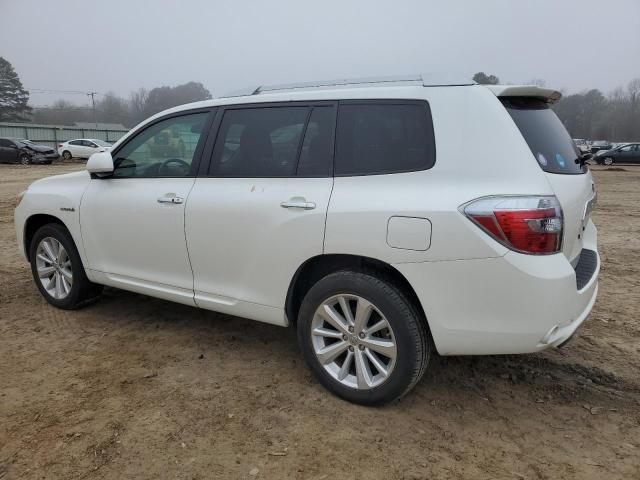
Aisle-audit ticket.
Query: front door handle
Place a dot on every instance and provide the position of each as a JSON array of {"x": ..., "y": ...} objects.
[
  {"x": 298, "y": 204},
  {"x": 170, "y": 198}
]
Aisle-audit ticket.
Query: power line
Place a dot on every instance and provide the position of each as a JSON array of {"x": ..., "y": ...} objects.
[{"x": 52, "y": 91}]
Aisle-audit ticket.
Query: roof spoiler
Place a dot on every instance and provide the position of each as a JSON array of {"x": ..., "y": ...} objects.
[{"x": 546, "y": 94}]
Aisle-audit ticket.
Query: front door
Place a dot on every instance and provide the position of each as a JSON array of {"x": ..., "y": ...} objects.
[
  {"x": 259, "y": 211},
  {"x": 133, "y": 222}
]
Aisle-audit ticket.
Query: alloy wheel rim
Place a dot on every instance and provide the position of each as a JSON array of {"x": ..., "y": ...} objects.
[
  {"x": 353, "y": 341},
  {"x": 24, "y": 160},
  {"x": 608, "y": 161},
  {"x": 53, "y": 265}
]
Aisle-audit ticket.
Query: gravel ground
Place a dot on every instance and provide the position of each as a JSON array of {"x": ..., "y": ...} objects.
[{"x": 135, "y": 387}]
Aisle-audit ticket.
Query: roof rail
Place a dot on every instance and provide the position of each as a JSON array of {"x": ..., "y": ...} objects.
[{"x": 425, "y": 80}]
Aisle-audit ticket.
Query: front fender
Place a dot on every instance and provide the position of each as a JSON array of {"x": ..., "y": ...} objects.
[{"x": 59, "y": 197}]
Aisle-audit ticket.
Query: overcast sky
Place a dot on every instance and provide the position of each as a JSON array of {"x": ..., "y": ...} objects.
[{"x": 121, "y": 45}]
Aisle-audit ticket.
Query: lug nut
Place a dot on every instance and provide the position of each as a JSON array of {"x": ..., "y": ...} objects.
[
  {"x": 344, "y": 336},
  {"x": 361, "y": 335},
  {"x": 361, "y": 347},
  {"x": 351, "y": 349},
  {"x": 351, "y": 329}
]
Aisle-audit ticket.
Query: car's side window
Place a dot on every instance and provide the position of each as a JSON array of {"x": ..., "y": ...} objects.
[
  {"x": 90, "y": 144},
  {"x": 258, "y": 142},
  {"x": 626, "y": 148},
  {"x": 316, "y": 156},
  {"x": 386, "y": 137},
  {"x": 5, "y": 143},
  {"x": 164, "y": 149},
  {"x": 76, "y": 142}
]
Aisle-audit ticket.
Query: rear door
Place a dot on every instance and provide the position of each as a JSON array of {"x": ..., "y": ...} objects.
[
  {"x": 258, "y": 210},
  {"x": 558, "y": 156},
  {"x": 76, "y": 148}
]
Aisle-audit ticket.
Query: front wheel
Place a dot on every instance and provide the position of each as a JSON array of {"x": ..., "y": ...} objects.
[
  {"x": 607, "y": 161},
  {"x": 362, "y": 338},
  {"x": 25, "y": 159},
  {"x": 57, "y": 269}
]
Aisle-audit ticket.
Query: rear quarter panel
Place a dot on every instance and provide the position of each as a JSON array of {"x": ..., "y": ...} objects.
[{"x": 479, "y": 152}]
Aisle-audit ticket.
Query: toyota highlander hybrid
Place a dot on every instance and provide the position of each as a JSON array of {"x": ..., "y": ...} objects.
[{"x": 355, "y": 211}]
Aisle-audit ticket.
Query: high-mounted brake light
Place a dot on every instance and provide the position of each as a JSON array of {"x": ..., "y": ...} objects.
[{"x": 527, "y": 224}]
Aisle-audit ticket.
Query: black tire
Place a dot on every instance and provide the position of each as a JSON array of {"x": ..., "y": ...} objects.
[
  {"x": 409, "y": 329},
  {"x": 82, "y": 290},
  {"x": 25, "y": 159},
  {"x": 67, "y": 155}
]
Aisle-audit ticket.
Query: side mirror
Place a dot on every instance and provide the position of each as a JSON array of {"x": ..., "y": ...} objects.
[{"x": 100, "y": 163}]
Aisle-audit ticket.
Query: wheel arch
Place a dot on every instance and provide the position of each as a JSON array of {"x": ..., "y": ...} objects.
[
  {"x": 33, "y": 223},
  {"x": 320, "y": 266}
]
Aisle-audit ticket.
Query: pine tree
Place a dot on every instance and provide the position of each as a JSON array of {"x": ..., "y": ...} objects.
[{"x": 13, "y": 96}]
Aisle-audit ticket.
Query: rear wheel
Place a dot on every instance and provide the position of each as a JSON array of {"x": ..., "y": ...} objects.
[
  {"x": 25, "y": 159},
  {"x": 66, "y": 155},
  {"x": 607, "y": 161},
  {"x": 57, "y": 269},
  {"x": 363, "y": 339}
]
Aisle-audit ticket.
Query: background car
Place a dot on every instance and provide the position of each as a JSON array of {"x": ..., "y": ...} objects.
[
  {"x": 582, "y": 145},
  {"x": 16, "y": 150},
  {"x": 82, "y": 148},
  {"x": 598, "y": 145},
  {"x": 629, "y": 153}
]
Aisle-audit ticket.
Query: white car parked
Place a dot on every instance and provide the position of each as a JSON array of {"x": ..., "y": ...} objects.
[
  {"x": 360, "y": 214},
  {"x": 82, "y": 148}
]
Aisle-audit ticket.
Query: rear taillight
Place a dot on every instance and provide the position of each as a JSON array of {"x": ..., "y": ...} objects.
[
  {"x": 527, "y": 224},
  {"x": 60, "y": 145}
]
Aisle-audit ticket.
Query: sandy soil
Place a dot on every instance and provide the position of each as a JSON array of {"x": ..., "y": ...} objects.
[{"x": 134, "y": 387}]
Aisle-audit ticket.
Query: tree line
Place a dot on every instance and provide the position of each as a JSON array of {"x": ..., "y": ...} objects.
[
  {"x": 111, "y": 108},
  {"x": 592, "y": 115}
]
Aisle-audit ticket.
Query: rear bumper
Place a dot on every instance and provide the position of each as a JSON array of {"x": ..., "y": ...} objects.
[{"x": 511, "y": 304}]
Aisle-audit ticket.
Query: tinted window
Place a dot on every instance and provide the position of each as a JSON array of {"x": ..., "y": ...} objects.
[
  {"x": 547, "y": 138},
  {"x": 259, "y": 142},
  {"x": 316, "y": 156},
  {"x": 5, "y": 143},
  {"x": 384, "y": 138},
  {"x": 76, "y": 142},
  {"x": 627, "y": 148},
  {"x": 165, "y": 149}
]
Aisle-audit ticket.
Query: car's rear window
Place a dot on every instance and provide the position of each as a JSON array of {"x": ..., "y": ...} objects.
[
  {"x": 545, "y": 134},
  {"x": 378, "y": 137}
]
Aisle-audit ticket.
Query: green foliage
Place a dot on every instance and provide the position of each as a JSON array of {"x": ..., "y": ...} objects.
[
  {"x": 484, "y": 79},
  {"x": 13, "y": 97}
]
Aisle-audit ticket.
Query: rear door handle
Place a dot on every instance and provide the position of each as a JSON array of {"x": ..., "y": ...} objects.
[
  {"x": 298, "y": 204},
  {"x": 170, "y": 198}
]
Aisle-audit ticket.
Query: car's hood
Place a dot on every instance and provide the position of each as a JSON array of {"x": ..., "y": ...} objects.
[
  {"x": 600, "y": 153},
  {"x": 62, "y": 179},
  {"x": 38, "y": 148}
]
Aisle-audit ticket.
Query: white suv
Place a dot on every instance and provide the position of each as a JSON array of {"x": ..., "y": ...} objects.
[{"x": 356, "y": 212}]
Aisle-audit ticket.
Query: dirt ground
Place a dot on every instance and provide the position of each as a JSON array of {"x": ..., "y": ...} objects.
[{"x": 140, "y": 388}]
